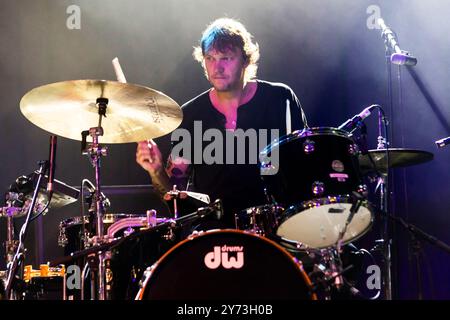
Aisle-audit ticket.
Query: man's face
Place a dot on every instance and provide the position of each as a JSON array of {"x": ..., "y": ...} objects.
[{"x": 225, "y": 70}]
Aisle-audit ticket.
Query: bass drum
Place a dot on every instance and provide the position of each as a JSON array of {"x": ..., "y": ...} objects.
[
  {"x": 226, "y": 264},
  {"x": 315, "y": 175}
]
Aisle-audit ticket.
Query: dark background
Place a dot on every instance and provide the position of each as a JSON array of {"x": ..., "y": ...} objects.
[{"x": 328, "y": 51}]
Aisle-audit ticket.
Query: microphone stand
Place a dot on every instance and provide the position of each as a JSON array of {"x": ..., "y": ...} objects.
[
  {"x": 19, "y": 256},
  {"x": 416, "y": 235},
  {"x": 383, "y": 185}
]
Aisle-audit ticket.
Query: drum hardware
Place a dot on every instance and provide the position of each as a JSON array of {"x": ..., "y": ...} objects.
[
  {"x": 393, "y": 55},
  {"x": 328, "y": 275},
  {"x": 325, "y": 279},
  {"x": 261, "y": 220},
  {"x": 162, "y": 227},
  {"x": 45, "y": 283},
  {"x": 74, "y": 236},
  {"x": 357, "y": 202},
  {"x": 379, "y": 161},
  {"x": 123, "y": 113},
  {"x": 442, "y": 142},
  {"x": 357, "y": 121},
  {"x": 18, "y": 257},
  {"x": 317, "y": 200},
  {"x": 143, "y": 222},
  {"x": 20, "y": 197},
  {"x": 44, "y": 271},
  {"x": 185, "y": 202},
  {"x": 417, "y": 235},
  {"x": 175, "y": 194}
]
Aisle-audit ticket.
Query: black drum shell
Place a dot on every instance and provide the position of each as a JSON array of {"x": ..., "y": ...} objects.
[
  {"x": 309, "y": 157},
  {"x": 268, "y": 272}
]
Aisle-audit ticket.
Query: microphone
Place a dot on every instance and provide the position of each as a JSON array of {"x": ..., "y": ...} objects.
[
  {"x": 52, "y": 165},
  {"x": 399, "y": 57},
  {"x": 442, "y": 142},
  {"x": 219, "y": 209},
  {"x": 356, "y": 121},
  {"x": 403, "y": 59}
]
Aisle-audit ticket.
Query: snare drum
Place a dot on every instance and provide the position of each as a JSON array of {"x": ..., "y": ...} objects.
[
  {"x": 226, "y": 264},
  {"x": 317, "y": 172}
]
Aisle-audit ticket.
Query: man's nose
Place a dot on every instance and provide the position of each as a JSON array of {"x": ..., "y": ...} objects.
[{"x": 218, "y": 67}]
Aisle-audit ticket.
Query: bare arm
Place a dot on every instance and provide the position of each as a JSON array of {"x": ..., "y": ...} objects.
[{"x": 149, "y": 157}]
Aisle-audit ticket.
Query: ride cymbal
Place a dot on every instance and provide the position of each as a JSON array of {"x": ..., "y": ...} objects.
[
  {"x": 398, "y": 157},
  {"x": 134, "y": 113}
]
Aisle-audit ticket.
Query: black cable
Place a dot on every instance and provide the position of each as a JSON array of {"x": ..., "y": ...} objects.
[{"x": 83, "y": 200}]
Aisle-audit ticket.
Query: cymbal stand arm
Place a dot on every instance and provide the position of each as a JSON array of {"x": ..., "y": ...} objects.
[{"x": 175, "y": 194}]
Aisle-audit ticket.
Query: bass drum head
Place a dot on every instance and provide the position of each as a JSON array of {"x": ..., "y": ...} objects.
[
  {"x": 318, "y": 223},
  {"x": 226, "y": 264}
]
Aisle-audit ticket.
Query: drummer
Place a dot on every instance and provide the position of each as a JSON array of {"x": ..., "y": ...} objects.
[{"x": 236, "y": 102}]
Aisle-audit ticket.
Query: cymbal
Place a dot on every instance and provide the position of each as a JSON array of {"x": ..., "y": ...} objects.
[
  {"x": 20, "y": 193},
  {"x": 134, "y": 113},
  {"x": 398, "y": 157}
]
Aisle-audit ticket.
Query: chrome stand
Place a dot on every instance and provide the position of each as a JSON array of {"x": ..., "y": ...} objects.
[{"x": 95, "y": 152}]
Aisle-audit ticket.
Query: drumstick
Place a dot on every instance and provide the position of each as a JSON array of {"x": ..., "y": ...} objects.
[
  {"x": 150, "y": 144},
  {"x": 118, "y": 69},
  {"x": 121, "y": 78},
  {"x": 288, "y": 117}
]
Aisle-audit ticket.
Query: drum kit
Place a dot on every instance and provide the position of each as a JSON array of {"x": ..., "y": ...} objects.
[{"x": 317, "y": 204}]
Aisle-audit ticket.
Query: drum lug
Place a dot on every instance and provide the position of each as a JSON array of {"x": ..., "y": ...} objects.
[
  {"x": 318, "y": 188},
  {"x": 309, "y": 146},
  {"x": 362, "y": 189},
  {"x": 169, "y": 235},
  {"x": 62, "y": 238},
  {"x": 353, "y": 149}
]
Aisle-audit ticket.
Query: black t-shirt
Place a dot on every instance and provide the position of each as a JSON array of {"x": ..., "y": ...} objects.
[{"x": 239, "y": 186}]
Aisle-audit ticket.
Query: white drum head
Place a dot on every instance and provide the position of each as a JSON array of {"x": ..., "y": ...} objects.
[{"x": 318, "y": 224}]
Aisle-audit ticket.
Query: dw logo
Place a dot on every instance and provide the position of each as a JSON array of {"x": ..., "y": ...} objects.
[{"x": 220, "y": 257}]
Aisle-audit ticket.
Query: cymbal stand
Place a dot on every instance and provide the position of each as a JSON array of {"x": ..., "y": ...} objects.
[
  {"x": 19, "y": 255},
  {"x": 95, "y": 152},
  {"x": 382, "y": 184}
]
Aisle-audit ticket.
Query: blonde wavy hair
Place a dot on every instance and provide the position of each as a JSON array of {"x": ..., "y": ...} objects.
[{"x": 224, "y": 34}]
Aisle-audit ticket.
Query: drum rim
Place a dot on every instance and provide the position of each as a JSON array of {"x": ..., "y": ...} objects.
[
  {"x": 195, "y": 236},
  {"x": 293, "y": 210},
  {"x": 269, "y": 206},
  {"x": 107, "y": 218},
  {"x": 306, "y": 132}
]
